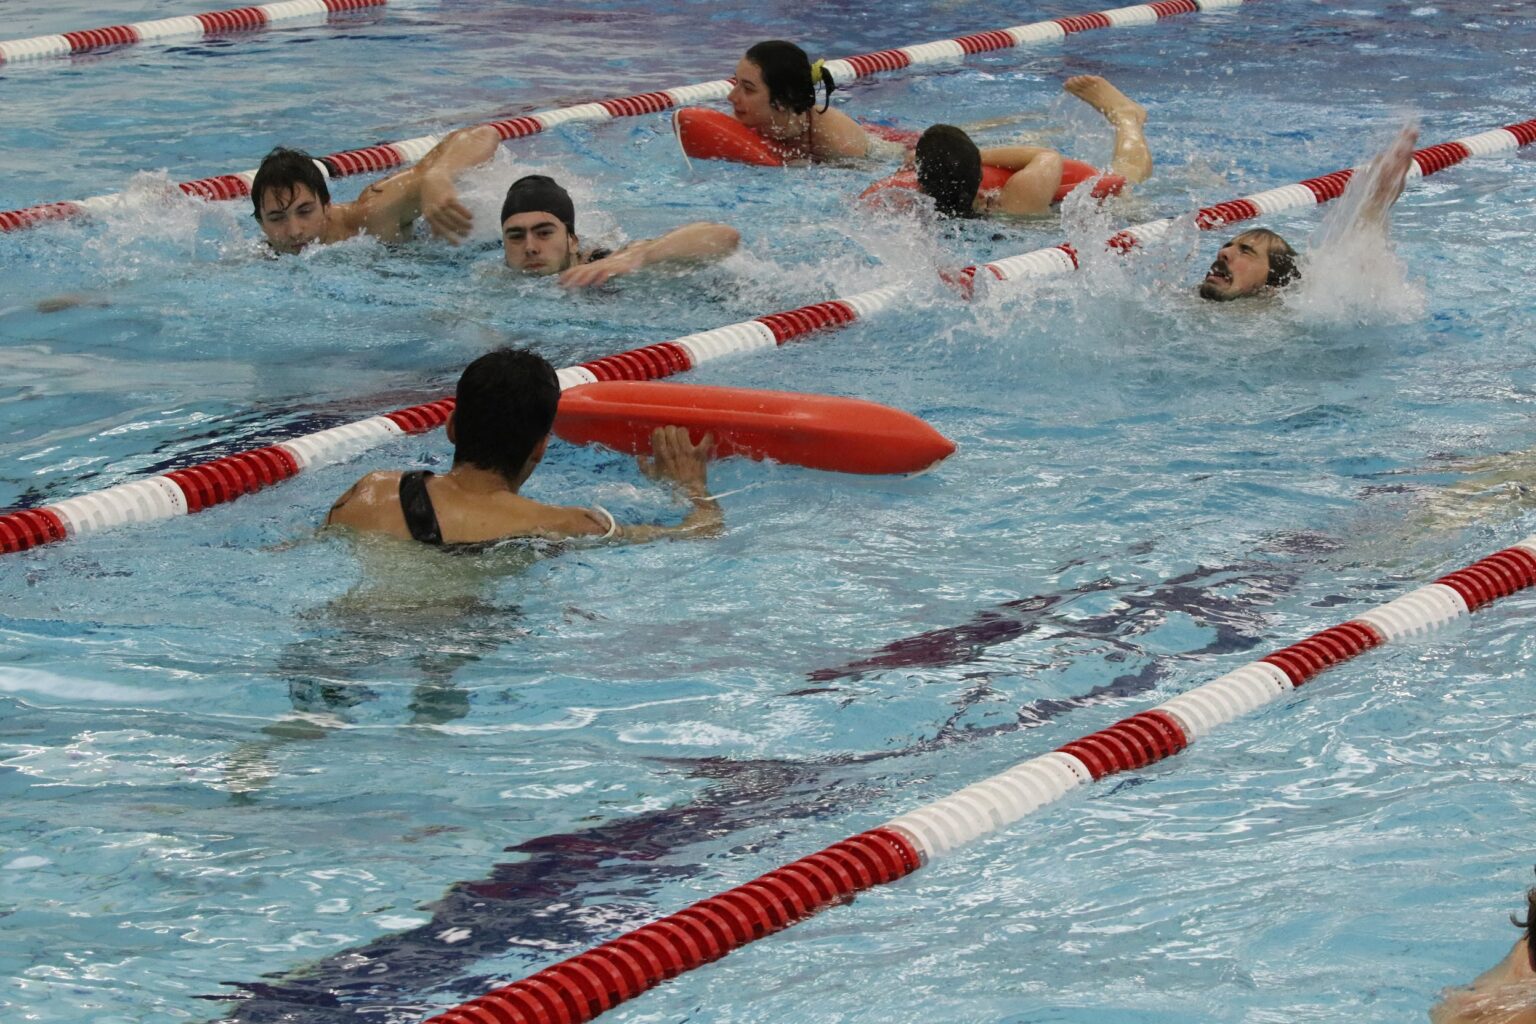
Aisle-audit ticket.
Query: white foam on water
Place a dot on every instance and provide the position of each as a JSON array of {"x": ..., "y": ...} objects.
[
  {"x": 49, "y": 684},
  {"x": 1350, "y": 272}
]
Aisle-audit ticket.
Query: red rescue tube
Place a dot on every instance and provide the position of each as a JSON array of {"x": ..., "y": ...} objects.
[
  {"x": 708, "y": 134},
  {"x": 846, "y": 435},
  {"x": 1073, "y": 174}
]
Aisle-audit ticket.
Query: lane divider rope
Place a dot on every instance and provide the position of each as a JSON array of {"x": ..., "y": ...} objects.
[
  {"x": 584, "y": 986},
  {"x": 184, "y": 491},
  {"x": 390, "y": 155},
  {"x": 222, "y": 480},
  {"x": 1062, "y": 259},
  {"x": 163, "y": 30}
]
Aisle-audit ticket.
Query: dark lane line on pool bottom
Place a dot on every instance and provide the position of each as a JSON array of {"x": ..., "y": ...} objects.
[{"x": 545, "y": 901}]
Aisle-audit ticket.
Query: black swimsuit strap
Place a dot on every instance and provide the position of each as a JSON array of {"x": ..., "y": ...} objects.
[{"x": 416, "y": 506}]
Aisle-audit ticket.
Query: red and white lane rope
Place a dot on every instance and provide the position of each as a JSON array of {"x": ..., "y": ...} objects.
[
  {"x": 164, "y": 30},
  {"x": 582, "y": 987},
  {"x": 223, "y": 480},
  {"x": 1062, "y": 259},
  {"x": 390, "y": 155},
  {"x": 195, "y": 488}
]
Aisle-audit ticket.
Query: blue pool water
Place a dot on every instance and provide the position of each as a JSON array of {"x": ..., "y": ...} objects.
[{"x": 253, "y": 774}]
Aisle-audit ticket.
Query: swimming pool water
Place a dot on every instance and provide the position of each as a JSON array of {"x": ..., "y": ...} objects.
[{"x": 254, "y": 774}]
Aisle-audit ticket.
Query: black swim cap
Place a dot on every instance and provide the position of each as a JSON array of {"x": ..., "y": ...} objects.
[
  {"x": 948, "y": 169},
  {"x": 539, "y": 193}
]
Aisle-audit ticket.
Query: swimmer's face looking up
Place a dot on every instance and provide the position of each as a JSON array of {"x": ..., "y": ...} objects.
[
  {"x": 537, "y": 243},
  {"x": 749, "y": 98},
  {"x": 292, "y": 218},
  {"x": 1241, "y": 268}
]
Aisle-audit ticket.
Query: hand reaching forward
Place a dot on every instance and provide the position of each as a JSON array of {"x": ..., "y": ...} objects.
[{"x": 449, "y": 218}]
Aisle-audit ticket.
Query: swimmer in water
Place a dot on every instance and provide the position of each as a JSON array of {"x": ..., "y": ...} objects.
[
  {"x": 775, "y": 96},
  {"x": 949, "y": 164},
  {"x": 1506, "y": 992},
  {"x": 538, "y": 236},
  {"x": 499, "y": 429},
  {"x": 293, "y": 202},
  {"x": 1259, "y": 262}
]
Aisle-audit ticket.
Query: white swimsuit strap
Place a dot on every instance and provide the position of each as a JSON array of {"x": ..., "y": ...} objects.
[{"x": 613, "y": 525}]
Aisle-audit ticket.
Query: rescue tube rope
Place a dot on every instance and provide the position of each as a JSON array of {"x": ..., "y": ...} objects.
[
  {"x": 390, "y": 155},
  {"x": 1062, "y": 259},
  {"x": 201, "y": 486},
  {"x": 583, "y": 986},
  {"x": 239, "y": 19}
]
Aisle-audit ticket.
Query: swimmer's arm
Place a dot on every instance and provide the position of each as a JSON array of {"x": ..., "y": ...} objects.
[
  {"x": 690, "y": 243},
  {"x": 1398, "y": 157},
  {"x": 388, "y": 208},
  {"x": 1013, "y": 158},
  {"x": 703, "y": 520},
  {"x": 1036, "y": 176}
]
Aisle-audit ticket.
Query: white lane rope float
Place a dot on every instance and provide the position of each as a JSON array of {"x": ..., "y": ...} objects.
[
  {"x": 170, "y": 30},
  {"x": 221, "y": 480},
  {"x": 391, "y": 155},
  {"x": 201, "y": 486},
  {"x": 582, "y": 987}
]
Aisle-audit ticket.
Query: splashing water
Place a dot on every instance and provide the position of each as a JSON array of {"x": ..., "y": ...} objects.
[{"x": 1351, "y": 272}]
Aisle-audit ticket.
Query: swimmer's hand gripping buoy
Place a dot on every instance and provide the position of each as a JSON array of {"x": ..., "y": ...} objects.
[
  {"x": 846, "y": 435},
  {"x": 1073, "y": 174}
]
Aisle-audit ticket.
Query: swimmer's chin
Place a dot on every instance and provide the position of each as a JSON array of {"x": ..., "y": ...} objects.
[{"x": 1216, "y": 293}]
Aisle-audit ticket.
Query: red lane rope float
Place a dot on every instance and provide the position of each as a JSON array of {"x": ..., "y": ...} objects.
[
  {"x": 845, "y": 435},
  {"x": 1062, "y": 259},
  {"x": 580, "y": 988},
  {"x": 195, "y": 488},
  {"x": 584, "y": 986},
  {"x": 397, "y": 154},
  {"x": 161, "y": 497},
  {"x": 241, "y": 19}
]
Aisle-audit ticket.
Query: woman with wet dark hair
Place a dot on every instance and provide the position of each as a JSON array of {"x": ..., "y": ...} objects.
[
  {"x": 775, "y": 96},
  {"x": 1506, "y": 992}
]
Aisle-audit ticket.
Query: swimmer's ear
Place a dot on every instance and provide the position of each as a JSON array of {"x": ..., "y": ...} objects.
[{"x": 451, "y": 428}]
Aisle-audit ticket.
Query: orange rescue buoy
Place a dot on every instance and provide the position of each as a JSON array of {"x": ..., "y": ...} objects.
[
  {"x": 710, "y": 135},
  {"x": 846, "y": 435}
]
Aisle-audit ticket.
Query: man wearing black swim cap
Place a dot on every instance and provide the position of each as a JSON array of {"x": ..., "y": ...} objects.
[{"x": 538, "y": 236}]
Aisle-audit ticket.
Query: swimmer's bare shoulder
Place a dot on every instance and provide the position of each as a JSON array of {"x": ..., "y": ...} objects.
[{"x": 372, "y": 504}]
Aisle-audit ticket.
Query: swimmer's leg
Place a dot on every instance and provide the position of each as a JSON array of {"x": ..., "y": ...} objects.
[{"x": 1132, "y": 159}]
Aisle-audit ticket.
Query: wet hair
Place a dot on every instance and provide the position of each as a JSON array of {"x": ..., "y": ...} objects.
[
  {"x": 541, "y": 194},
  {"x": 505, "y": 405},
  {"x": 1529, "y": 924},
  {"x": 283, "y": 170},
  {"x": 949, "y": 169},
  {"x": 787, "y": 75},
  {"x": 1283, "y": 269}
]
